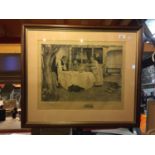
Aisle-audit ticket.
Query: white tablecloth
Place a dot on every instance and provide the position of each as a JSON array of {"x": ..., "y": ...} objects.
[
  {"x": 1, "y": 103},
  {"x": 85, "y": 80}
]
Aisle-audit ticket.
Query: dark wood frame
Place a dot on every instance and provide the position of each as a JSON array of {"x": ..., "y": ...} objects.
[
  {"x": 150, "y": 115},
  {"x": 136, "y": 122}
]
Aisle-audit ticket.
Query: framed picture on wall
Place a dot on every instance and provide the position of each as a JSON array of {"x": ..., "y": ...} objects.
[
  {"x": 80, "y": 76},
  {"x": 10, "y": 67}
]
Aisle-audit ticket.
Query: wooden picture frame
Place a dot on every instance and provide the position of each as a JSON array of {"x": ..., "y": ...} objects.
[
  {"x": 150, "y": 125},
  {"x": 80, "y": 76}
]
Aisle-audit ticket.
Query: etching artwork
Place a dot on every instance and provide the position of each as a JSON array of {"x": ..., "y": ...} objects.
[{"x": 72, "y": 73}]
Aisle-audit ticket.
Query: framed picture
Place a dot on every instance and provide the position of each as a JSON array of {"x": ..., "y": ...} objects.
[
  {"x": 150, "y": 116},
  {"x": 10, "y": 67},
  {"x": 80, "y": 76}
]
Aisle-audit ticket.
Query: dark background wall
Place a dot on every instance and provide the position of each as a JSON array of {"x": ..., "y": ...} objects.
[{"x": 10, "y": 29}]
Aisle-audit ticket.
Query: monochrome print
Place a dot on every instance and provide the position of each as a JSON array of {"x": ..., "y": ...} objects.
[{"x": 81, "y": 72}]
